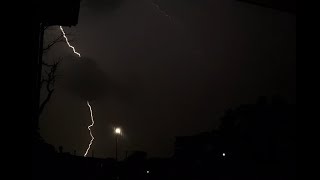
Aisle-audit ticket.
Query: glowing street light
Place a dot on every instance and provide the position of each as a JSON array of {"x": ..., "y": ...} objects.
[{"x": 118, "y": 132}]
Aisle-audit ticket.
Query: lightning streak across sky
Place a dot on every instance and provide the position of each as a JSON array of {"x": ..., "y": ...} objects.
[
  {"x": 65, "y": 36},
  {"x": 89, "y": 127},
  {"x": 160, "y": 10},
  {"x": 88, "y": 103}
]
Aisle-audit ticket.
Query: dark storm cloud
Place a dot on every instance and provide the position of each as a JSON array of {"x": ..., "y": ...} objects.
[
  {"x": 101, "y": 5},
  {"x": 183, "y": 3},
  {"x": 84, "y": 79}
]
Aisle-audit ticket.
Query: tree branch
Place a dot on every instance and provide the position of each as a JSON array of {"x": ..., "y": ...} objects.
[
  {"x": 59, "y": 39},
  {"x": 45, "y": 102},
  {"x": 50, "y": 81}
]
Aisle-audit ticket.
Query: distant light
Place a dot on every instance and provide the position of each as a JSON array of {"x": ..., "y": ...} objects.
[
  {"x": 118, "y": 131},
  {"x": 148, "y": 172},
  {"x": 224, "y": 154}
]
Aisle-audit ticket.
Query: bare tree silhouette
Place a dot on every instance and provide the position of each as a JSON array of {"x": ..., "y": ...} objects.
[{"x": 49, "y": 70}]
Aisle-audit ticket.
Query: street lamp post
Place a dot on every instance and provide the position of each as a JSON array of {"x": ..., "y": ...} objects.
[{"x": 118, "y": 133}]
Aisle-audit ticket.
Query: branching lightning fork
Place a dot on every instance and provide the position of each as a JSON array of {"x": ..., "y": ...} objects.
[{"x": 88, "y": 103}]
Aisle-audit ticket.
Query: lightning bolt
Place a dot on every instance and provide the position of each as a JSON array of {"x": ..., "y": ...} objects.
[
  {"x": 89, "y": 127},
  {"x": 88, "y": 103},
  {"x": 164, "y": 13},
  {"x": 65, "y": 37}
]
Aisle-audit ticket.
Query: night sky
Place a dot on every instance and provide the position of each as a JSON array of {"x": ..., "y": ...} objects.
[{"x": 159, "y": 78}]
